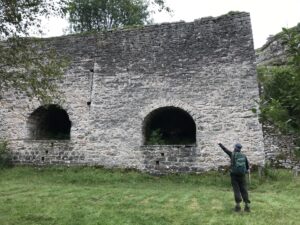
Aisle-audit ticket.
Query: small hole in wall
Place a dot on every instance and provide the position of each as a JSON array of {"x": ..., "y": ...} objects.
[
  {"x": 43, "y": 159},
  {"x": 52, "y": 144},
  {"x": 92, "y": 70},
  {"x": 89, "y": 103},
  {"x": 162, "y": 154},
  {"x": 46, "y": 152},
  {"x": 157, "y": 163}
]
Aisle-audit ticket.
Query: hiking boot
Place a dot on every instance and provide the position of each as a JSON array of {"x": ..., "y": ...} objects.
[
  {"x": 247, "y": 208},
  {"x": 237, "y": 208}
]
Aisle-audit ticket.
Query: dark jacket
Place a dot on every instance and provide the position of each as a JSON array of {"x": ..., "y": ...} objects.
[{"x": 229, "y": 153}]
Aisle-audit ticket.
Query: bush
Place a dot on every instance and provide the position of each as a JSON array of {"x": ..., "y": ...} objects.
[
  {"x": 156, "y": 138},
  {"x": 5, "y": 156},
  {"x": 297, "y": 153},
  {"x": 280, "y": 102}
]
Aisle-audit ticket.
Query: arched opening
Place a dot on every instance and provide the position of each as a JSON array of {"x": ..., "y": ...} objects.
[
  {"x": 49, "y": 122},
  {"x": 169, "y": 126}
]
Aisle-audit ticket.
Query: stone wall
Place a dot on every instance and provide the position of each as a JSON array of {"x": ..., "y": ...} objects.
[
  {"x": 279, "y": 148},
  {"x": 117, "y": 78},
  {"x": 166, "y": 159},
  {"x": 271, "y": 53}
]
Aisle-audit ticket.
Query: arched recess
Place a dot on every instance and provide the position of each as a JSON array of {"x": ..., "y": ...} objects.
[
  {"x": 49, "y": 122},
  {"x": 169, "y": 126}
]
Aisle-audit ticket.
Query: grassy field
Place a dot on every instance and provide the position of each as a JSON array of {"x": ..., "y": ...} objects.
[{"x": 70, "y": 196}]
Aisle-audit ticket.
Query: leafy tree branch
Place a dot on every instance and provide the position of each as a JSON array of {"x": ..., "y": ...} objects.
[{"x": 25, "y": 64}]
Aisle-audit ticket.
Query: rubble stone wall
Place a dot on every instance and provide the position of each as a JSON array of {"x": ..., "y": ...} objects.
[{"x": 116, "y": 78}]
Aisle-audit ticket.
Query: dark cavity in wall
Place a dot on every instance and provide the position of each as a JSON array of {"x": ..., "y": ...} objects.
[
  {"x": 169, "y": 126},
  {"x": 49, "y": 122}
]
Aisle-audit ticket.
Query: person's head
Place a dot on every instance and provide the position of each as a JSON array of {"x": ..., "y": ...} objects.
[{"x": 237, "y": 147}]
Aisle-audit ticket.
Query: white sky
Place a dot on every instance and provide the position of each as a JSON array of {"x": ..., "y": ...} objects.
[{"x": 267, "y": 16}]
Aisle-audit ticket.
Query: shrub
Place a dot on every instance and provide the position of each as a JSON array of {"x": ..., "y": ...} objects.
[
  {"x": 156, "y": 138},
  {"x": 280, "y": 102},
  {"x": 5, "y": 156},
  {"x": 269, "y": 173},
  {"x": 297, "y": 153}
]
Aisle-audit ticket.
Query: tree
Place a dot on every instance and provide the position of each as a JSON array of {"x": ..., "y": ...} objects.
[
  {"x": 97, "y": 15},
  {"x": 24, "y": 65}
]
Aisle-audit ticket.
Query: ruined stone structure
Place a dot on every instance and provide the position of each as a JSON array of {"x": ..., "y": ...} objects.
[
  {"x": 279, "y": 148},
  {"x": 186, "y": 86},
  {"x": 272, "y": 52}
]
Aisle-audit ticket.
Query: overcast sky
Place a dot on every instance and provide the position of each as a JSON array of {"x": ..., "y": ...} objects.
[{"x": 267, "y": 16}]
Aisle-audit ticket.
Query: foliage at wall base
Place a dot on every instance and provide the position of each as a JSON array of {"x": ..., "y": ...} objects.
[{"x": 5, "y": 156}]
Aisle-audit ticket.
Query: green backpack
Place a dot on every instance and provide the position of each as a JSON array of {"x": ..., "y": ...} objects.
[{"x": 238, "y": 163}]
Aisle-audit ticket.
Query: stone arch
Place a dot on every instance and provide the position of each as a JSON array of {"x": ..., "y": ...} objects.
[
  {"x": 169, "y": 102},
  {"x": 169, "y": 125},
  {"x": 49, "y": 122}
]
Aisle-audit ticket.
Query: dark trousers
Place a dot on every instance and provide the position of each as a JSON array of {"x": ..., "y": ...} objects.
[{"x": 239, "y": 186}]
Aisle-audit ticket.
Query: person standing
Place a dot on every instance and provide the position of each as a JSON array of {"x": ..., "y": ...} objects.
[{"x": 239, "y": 169}]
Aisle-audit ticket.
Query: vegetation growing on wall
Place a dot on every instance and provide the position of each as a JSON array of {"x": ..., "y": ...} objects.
[
  {"x": 280, "y": 99},
  {"x": 156, "y": 138},
  {"x": 5, "y": 156}
]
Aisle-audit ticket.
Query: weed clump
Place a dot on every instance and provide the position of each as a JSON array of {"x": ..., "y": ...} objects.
[{"x": 5, "y": 156}]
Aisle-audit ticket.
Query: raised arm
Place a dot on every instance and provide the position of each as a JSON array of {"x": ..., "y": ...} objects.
[{"x": 229, "y": 153}]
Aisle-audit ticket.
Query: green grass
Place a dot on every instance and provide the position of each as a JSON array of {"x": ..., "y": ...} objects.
[{"x": 70, "y": 196}]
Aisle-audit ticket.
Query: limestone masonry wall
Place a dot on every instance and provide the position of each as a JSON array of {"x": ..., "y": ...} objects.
[
  {"x": 117, "y": 78},
  {"x": 272, "y": 52}
]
